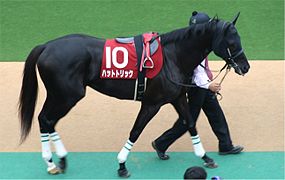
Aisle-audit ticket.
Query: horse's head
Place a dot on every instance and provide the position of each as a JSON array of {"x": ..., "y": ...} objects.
[{"x": 227, "y": 45}]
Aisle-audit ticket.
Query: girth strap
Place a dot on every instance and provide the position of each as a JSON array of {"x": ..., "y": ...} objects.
[{"x": 140, "y": 85}]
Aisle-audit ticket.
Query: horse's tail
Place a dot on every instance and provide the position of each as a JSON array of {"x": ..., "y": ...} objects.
[{"x": 29, "y": 92}]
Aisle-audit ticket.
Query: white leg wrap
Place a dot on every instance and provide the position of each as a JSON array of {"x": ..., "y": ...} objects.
[
  {"x": 198, "y": 147},
  {"x": 59, "y": 147},
  {"x": 123, "y": 154},
  {"x": 46, "y": 150}
]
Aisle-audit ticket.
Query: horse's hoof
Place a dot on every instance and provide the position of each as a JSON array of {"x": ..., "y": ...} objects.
[
  {"x": 124, "y": 173},
  {"x": 209, "y": 162},
  {"x": 61, "y": 171},
  {"x": 54, "y": 171},
  {"x": 62, "y": 165},
  {"x": 211, "y": 165}
]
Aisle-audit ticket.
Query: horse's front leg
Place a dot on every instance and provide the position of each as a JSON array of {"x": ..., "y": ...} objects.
[
  {"x": 182, "y": 108},
  {"x": 145, "y": 115}
]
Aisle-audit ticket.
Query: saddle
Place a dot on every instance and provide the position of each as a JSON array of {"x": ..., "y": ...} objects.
[
  {"x": 128, "y": 40},
  {"x": 150, "y": 46}
]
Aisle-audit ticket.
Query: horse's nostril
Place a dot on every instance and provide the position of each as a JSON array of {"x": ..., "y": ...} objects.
[{"x": 245, "y": 69}]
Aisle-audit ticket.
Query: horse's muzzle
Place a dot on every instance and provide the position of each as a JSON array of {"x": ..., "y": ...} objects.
[
  {"x": 242, "y": 70},
  {"x": 241, "y": 66}
]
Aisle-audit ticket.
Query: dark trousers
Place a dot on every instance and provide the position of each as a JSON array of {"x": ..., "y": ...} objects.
[{"x": 200, "y": 98}]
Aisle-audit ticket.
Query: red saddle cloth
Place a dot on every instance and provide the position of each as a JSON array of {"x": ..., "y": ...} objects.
[{"x": 120, "y": 60}]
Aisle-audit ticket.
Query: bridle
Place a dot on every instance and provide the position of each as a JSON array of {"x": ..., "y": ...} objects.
[
  {"x": 230, "y": 60},
  {"x": 230, "y": 63}
]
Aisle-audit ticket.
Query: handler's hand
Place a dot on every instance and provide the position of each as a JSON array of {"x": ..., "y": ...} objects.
[{"x": 215, "y": 87}]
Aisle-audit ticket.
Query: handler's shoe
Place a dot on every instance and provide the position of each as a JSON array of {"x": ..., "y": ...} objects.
[
  {"x": 160, "y": 154},
  {"x": 234, "y": 150}
]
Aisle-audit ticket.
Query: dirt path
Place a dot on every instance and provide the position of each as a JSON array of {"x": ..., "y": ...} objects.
[{"x": 254, "y": 107}]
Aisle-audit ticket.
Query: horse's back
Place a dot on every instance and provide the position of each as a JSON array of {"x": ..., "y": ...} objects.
[
  {"x": 70, "y": 50},
  {"x": 71, "y": 46},
  {"x": 66, "y": 61}
]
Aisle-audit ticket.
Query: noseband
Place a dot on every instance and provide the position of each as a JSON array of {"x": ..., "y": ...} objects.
[{"x": 231, "y": 62}]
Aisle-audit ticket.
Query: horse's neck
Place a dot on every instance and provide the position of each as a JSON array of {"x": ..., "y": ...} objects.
[
  {"x": 193, "y": 53},
  {"x": 190, "y": 50}
]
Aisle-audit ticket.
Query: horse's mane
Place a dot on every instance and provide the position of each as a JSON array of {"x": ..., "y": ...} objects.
[
  {"x": 175, "y": 35},
  {"x": 185, "y": 33}
]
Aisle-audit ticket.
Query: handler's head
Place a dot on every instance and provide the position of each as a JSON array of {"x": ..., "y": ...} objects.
[
  {"x": 198, "y": 18},
  {"x": 195, "y": 172}
]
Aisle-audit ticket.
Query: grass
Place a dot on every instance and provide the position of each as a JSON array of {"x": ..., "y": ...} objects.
[{"x": 27, "y": 23}]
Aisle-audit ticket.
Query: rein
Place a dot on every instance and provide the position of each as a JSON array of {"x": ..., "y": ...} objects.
[
  {"x": 218, "y": 93},
  {"x": 192, "y": 85}
]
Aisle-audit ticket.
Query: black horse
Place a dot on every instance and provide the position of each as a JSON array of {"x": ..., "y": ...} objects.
[{"x": 70, "y": 63}]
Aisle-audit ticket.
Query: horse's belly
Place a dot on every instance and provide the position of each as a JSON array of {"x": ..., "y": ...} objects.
[{"x": 121, "y": 89}]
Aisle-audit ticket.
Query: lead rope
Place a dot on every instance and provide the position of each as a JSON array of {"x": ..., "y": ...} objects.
[{"x": 218, "y": 94}]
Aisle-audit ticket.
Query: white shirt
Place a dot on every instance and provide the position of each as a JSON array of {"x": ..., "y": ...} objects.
[{"x": 200, "y": 77}]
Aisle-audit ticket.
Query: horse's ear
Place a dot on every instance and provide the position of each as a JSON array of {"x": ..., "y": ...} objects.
[
  {"x": 215, "y": 18},
  {"x": 235, "y": 19}
]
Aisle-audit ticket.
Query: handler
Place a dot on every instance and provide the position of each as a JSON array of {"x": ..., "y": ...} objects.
[{"x": 200, "y": 97}]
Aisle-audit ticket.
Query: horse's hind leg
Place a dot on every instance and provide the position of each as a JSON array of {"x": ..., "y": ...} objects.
[{"x": 54, "y": 108}]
